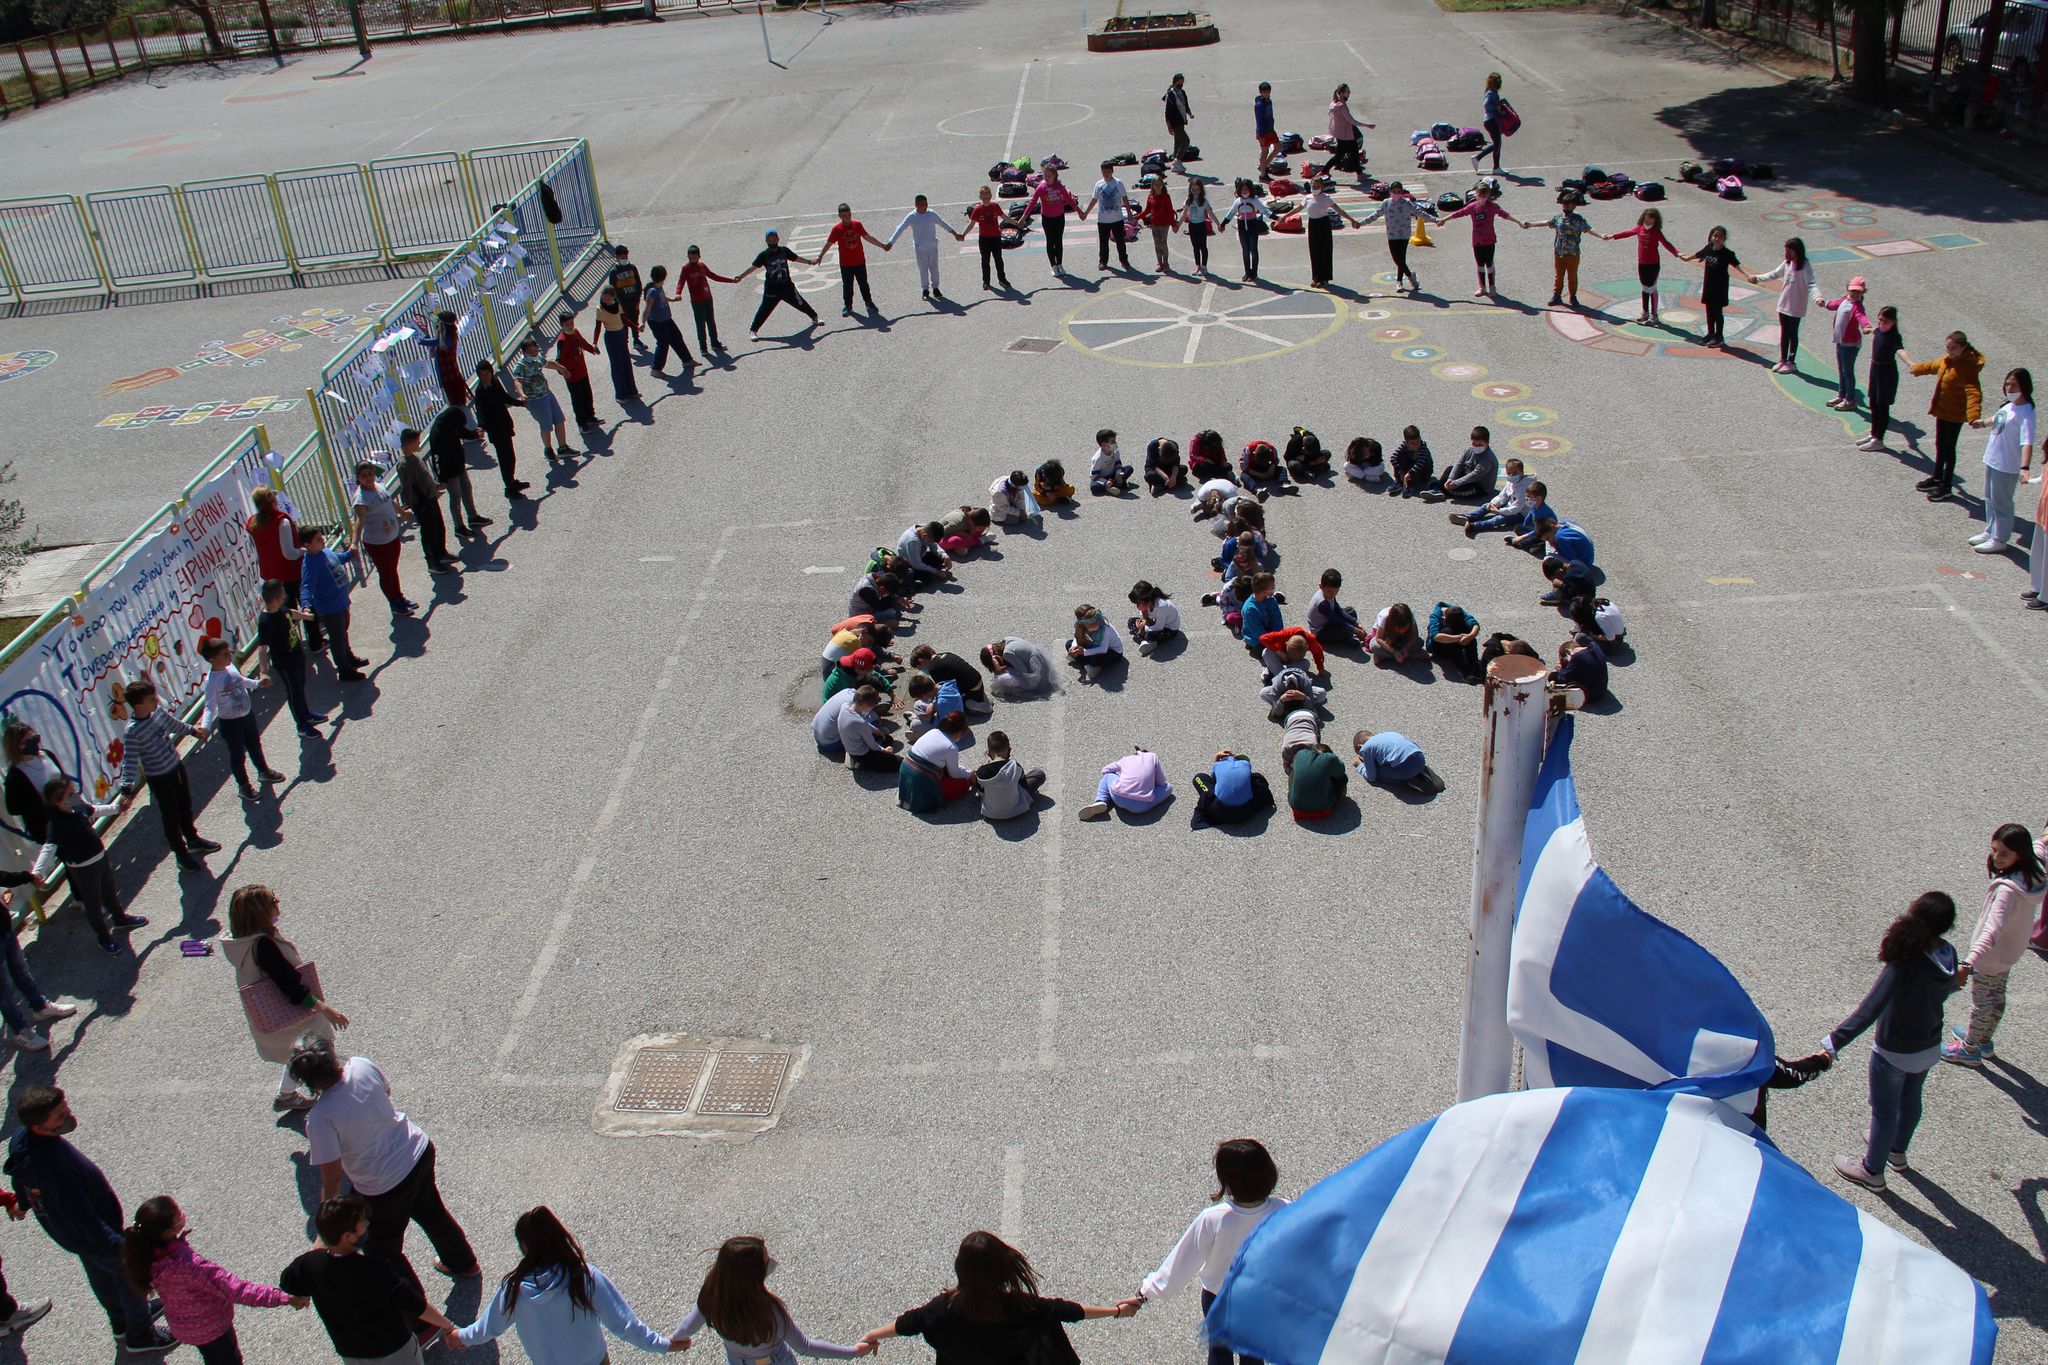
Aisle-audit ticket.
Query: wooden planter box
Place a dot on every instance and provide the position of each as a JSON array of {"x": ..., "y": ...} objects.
[{"x": 1147, "y": 32}]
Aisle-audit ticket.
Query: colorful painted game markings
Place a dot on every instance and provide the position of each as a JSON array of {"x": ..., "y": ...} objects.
[
  {"x": 1540, "y": 444},
  {"x": 1855, "y": 231},
  {"x": 1458, "y": 371},
  {"x": 1525, "y": 415},
  {"x": 192, "y": 414},
  {"x": 1196, "y": 322},
  {"x": 1501, "y": 391},
  {"x": 1396, "y": 333},
  {"x": 22, "y": 364},
  {"x": 1417, "y": 353},
  {"x": 1610, "y": 325}
]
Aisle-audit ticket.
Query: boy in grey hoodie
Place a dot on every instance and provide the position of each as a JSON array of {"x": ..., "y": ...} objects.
[{"x": 1007, "y": 790}]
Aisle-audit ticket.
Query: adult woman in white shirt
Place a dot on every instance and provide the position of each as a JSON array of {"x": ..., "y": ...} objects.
[
  {"x": 2007, "y": 457},
  {"x": 1246, "y": 1176}
]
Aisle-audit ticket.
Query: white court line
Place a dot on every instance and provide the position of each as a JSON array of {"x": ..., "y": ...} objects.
[
  {"x": 1016, "y": 114},
  {"x": 1527, "y": 73},
  {"x": 1139, "y": 336},
  {"x": 1051, "y": 902},
  {"x": 558, "y": 929},
  {"x": 1012, "y": 1225},
  {"x": 1361, "y": 60},
  {"x": 1253, "y": 332}
]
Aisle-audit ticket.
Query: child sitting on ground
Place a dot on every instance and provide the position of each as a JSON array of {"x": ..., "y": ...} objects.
[
  {"x": 1107, "y": 472},
  {"x": 1010, "y": 500},
  {"x": 1453, "y": 637},
  {"x": 1474, "y": 474},
  {"x": 1158, "y": 619},
  {"x": 852, "y": 670},
  {"x": 876, "y": 596},
  {"x": 1259, "y": 615},
  {"x": 1017, "y": 668},
  {"x": 1504, "y": 509},
  {"x": 1207, "y": 459},
  {"x": 964, "y": 531},
  {"x": 1135, "y": 784},
  {"x": 1412, "y": 463},
  {"x": 1390, "y": 758},
  {"x": 1163, "y": 470},
  {"x": 931, "y": 701},
  {"x": 1567, "y": 578},
  {"x": 1582, "y": 664},
  {"x": 1301, "y": 719},
  {"x": 919, "y": 548},
  {"x": 1212, "y": 502},
  {"x": 964, "y": 676},
  {"x": 931, "y": 773},
  {"x": 1393, "y": 638},
  {"x": 1259, "y": 464},
  {"x": 1097, "y": 647},
  {"x": 1007, "y": 790},
  {"x": 1049, "y": 484},
  {"x": 1599, "y": 618},
  {"x": 866, "y": 748},
  {"x": 1364, "y": 464},
  {"x": 1291, "y": 645},
  {"x": 1533, "y": 530},
  {"x": 1230, "y": 792},
  {"x": 1330, "y": 621},
  {"x": 1315, "y": 782},
  {"x": 1568, "y": 540},
  {"x": 1292, "y": 687},
  {"x": 1305, "y": 457}
]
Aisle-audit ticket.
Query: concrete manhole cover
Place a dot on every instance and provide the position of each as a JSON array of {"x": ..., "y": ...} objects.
[
  {"x": 1033, "y": 345},
  {"x": 675, "y": 1085}
]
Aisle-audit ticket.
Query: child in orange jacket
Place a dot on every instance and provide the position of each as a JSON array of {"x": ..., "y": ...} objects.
[{"x": 1958, "y": 398}]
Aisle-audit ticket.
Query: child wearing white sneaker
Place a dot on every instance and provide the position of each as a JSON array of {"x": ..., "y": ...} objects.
[
  {"x": 21, "y": 1027},
  {"x": 1885, "y": 342},
  {"x": 1158, "y": 619},
  {"x": 1364, "y": 462},
  {"x": 2007, "y": 456}
]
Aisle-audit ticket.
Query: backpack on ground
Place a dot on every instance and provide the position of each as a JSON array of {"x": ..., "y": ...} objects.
[
  {"x": 1592, "y": 176},
  {"x": 1510, "y": 121},
  {"x": 1322, "y": 142},
  {"x": 1433, "y": 159},
  {"x": 1449, "y": 201},
  {"x": 1692, "y": 173},
  {"x": 1378, "y": 189},
  {"x": 1124, "y": 159},
  {"x": 1055, "y": 162},
  {"x": 878, "y": 557},
  {"x": 1280, "y": 184},
  {"x": 1022, "y": 163},
  {"x": 1729, "y": 187},
  {"x": 1467, "y": 140},
  {"x": 1728, "y": 165},
  {"x": 1650, "y": 191},
  {"x": 1193, "y": 153},
  {"x": 1012, "y": 176},
  {"x": 1011, "y": 189},
  {"x": 1443, "y": 132},
  {"x": 1291, "y": 143}
]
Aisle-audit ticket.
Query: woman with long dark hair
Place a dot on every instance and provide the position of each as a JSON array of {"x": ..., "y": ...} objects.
[
  {"x": 993, "y": 1314},
  {"x": 258, "y": 952},
  {"x": 559, "y": 1304},
  {"x": 199, "y": 1297},
  {"x": 755, "y": 1323},
  {"x": 1245, "y": 1177},
  {"x": 1905, "y": 1004},
  {"x": 2011, "y": 903}
]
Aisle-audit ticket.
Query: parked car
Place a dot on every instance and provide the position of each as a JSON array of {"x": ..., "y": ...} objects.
[{"x": 2019, "y": 41}]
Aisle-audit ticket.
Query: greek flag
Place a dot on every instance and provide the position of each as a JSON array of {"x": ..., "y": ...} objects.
[
  {"x": 1609, "y": 1227},
  {"x": 1600, "y": 993}
]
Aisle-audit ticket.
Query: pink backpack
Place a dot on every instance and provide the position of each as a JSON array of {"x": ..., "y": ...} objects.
[{"x": 1729, "y": 187}]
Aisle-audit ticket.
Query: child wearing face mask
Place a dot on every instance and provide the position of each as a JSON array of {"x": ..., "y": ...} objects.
[{"x": 1107, "y": 472}]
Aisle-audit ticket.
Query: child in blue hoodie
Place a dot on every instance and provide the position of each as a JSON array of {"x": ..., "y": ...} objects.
[
  {"x": 559, "y": 1304},
  {"x": 324, "y": 591},
  {"x": 1261, "y": 614}
]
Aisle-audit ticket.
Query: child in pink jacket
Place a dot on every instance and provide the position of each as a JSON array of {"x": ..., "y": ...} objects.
[
  {"x": 2013, "y": 899},
  {"x": 199, "y": 1297},
  {"x": 1851, "y": 322},
  {"x": 1649, "y": 235}
]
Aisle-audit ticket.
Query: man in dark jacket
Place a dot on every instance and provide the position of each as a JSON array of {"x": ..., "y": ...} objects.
[
  {"x": 71, "y": 1198},
  {"x": 1179, "y": 114},
  {"x": 494, "y": 404},
  {"x": 446, "y": 444}
]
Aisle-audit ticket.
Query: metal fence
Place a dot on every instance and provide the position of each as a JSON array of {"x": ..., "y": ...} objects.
[
  {"x": 306, "y": 477},
  {"x": 499, "y": 281},
  {"x": 284, "y": 223}
]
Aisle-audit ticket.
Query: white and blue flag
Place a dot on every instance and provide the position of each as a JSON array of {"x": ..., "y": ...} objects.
[
  {"x": 1590, "y": 1226},
  {"x": 1601, "y": 993}
]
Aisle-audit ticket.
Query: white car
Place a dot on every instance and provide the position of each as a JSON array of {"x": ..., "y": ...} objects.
[{"x": 2019, "y": 41}]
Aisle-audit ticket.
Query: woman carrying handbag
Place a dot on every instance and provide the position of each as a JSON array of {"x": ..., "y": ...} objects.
[{"x": 280, "y": 990}]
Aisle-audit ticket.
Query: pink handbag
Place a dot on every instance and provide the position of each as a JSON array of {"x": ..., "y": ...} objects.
[{"x": 267, "y": 1008}]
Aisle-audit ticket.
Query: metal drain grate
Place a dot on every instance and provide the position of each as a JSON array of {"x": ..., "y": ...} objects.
[
  {"x": 688, "y": 1086},
  {"x": 662, "y": 1080},
  {"x": 745, "y": 1083},
  {"x": 1033, "y": 345}
]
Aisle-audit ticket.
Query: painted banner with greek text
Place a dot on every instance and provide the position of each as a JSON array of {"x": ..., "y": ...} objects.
[{"x": 195, "y": 576}]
